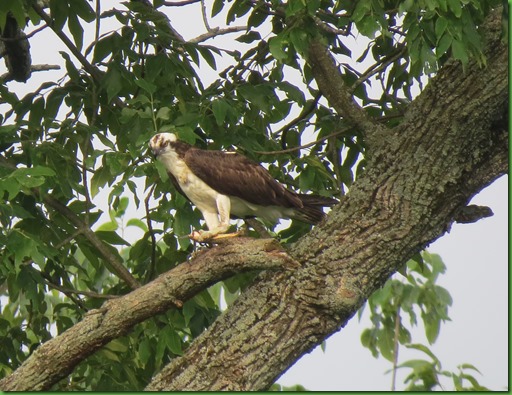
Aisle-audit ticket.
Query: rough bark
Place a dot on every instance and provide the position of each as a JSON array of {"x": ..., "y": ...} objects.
[
  {"x": 419, "y": 177},
  {"x": 420, "y": 174},
  {"x": 56, "y": 358}
]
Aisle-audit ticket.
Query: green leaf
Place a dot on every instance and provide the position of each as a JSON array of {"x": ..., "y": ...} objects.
[
  {"x": 146, "y": 85},
  {"x": 145, "y": 351},
  {"x": 113, "y": 83},
  {"x": 276, "y": 47},
  {"x": 455, "y": 7},
  {"x": 432, "y": 327},
  {"x": 469, "y": 366},
  {"x": 217, "y": 7},
  {"x": 76, "y": 30},
  {"x": 11, "y": 186},
  {"x": 83, "y": 9},
  {"x": 386, "y": 343},
  {"x": 106, "y": 46},
  {"x": 137, "y": 223},
  {"x": 111, "y": 238},
  {"x": 208, "y": 56},
  {"x": 220, "y": 108},
  {"x": 172, "y": 340},
  {"x": 99, "y": 179},
  {"x": 441, "y": 25},
  {"x": 444, "y": 44},
  {"x": 108, "y": 226},
  {"x": 164, "y": 113},
  {"x": 59, "y": 13}
]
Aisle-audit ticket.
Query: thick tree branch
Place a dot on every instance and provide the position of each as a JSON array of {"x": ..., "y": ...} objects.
[
  {"x": 56, "y": 358},
  {"x": 429, "y": 168}
]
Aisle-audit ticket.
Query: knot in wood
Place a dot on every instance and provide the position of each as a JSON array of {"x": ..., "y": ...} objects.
[{"x": 343, "y": 296}]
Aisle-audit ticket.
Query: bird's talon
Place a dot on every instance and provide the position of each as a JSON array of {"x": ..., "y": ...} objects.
[{"x": 196, "y": 236}]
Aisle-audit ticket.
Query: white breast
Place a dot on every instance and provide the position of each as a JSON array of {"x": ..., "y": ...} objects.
[{"x": 196, "y": 190}]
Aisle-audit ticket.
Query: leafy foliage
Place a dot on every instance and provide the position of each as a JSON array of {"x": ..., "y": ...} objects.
[
  {"x": 74, "y": 163},
  {"x": 398, "y": 300}
]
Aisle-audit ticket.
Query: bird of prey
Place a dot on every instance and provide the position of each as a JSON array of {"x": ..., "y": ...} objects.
[{"x": 226, "y": 184}]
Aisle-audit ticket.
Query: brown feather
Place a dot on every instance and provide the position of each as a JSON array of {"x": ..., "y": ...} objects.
[{"x": 235, "y": 175}]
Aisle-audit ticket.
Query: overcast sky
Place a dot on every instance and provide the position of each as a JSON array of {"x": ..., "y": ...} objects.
[{"x": 477, "y": 275}]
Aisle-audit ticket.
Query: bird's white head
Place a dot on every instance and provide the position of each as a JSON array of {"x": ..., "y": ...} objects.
[{"x": 161, "y": 143}]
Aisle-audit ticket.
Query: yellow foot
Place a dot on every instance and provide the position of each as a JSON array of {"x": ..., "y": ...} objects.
[
  {"x": 226, "y": 235},
  {"x": 202, "y": 236}
]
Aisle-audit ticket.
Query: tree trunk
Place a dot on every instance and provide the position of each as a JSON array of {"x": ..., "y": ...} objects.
[{"x": 420, "y": 175}]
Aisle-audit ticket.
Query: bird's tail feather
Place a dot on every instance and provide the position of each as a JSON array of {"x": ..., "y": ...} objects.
[{"x": 311, "y": 211}]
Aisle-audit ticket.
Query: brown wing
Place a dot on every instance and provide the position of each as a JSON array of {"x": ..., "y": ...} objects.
[
  {"x": 176, "y": 184},
  {"x": 235, "y": 175}
]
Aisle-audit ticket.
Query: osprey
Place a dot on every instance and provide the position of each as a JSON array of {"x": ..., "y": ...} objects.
[{"x": 225, "y": 184}]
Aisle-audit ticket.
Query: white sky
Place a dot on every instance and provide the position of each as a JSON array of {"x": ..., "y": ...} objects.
[{"x": 477, "y": 275}]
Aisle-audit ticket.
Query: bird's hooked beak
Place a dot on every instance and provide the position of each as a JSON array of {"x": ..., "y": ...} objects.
[
  {"x": 159, "y": 143},
  {"x": 155, "y": 146}
]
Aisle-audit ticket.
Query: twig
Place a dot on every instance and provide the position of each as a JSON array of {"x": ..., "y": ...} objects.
[
  {"x": 331, "y": 84},
  {"x": 258, "y": 227},
  {"x": 205, "y": 17},
  {"x": 38, "y": 67},
  {"x": 396, "y": 345},
  {"x": 92, "y": 70},
  {"x": 25, "y": 37},
  {"x": 97, "y": 27},
  {"x": 329, "y": 29},
  {"x": 374, "y": 69},
  {"x": 285, "y": 151},
  {"x": 216, "y": 31},
  {"x": 115, "y": 264},
  {"x": 87, "y": 195},
  {"x": 179, "y": 3},
  {"x": 90, "y": 294},
  {"x": 303, "y": 115},
  {"x": 152, "y": 266}
]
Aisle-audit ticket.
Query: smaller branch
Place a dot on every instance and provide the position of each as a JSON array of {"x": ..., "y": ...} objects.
[
  {"x": 98, "y": 21},
  {"x": 329, "y": 29},
  {"x": 216, "y": 31},
  {"x": 395, "y": 349},
  {"x": 305, "y": 114},
  {"x": 67, "y": 240},
  {"x": 152, "y": 266},
  {"x": 38, "y": 67},
  {"x": 378, "y": 67},
  {"x": 328, "y": 77},
  {"x": 25, "y": 37},
  {"x": 396, "y": 31},
  {"x": 258, "y": 227},
  {"x": 179, "y": 3},
  {"x": 288, "y": 150},
  {"x": 115, "y": 264},
  {"x": 92, "y": 70},
  {"x": 88, "y": 203},
  {"x": 205, "y": 17},
  {"x": 69, "y": 291},
  {"x": 472, "y": 213}
]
